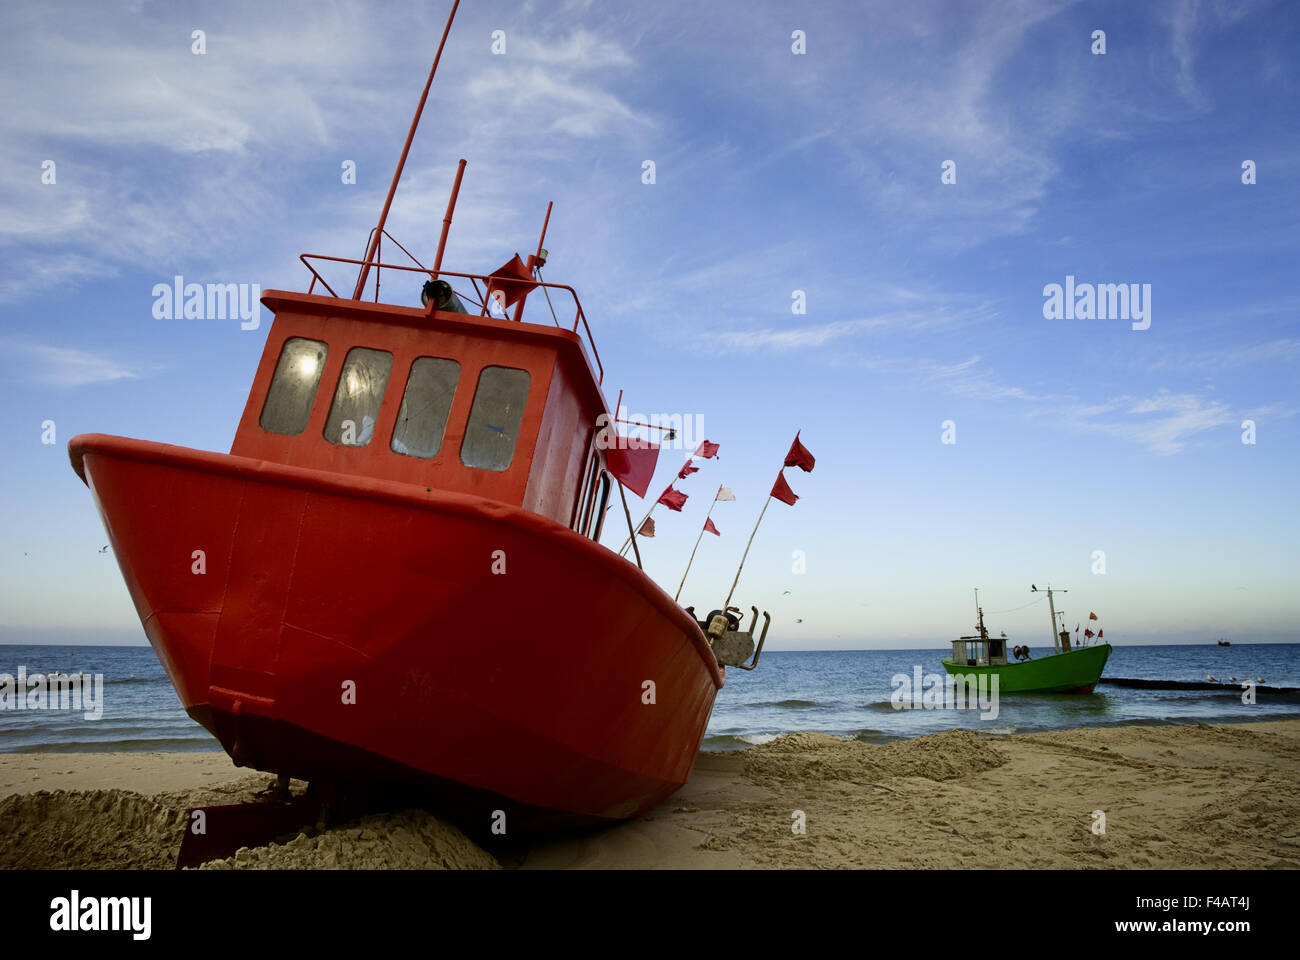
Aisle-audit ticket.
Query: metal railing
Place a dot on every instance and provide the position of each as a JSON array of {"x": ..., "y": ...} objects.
[{"x": 579, "y": 317}]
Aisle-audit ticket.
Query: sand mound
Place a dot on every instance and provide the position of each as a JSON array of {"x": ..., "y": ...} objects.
[
  {"x": 118, "y": 829},
  {"x": 819, "y": 756},
  {"x": 96, "y": 829},
  {"x": 410, "y": 840}
]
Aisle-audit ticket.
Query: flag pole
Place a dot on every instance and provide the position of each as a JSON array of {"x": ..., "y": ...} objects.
[
  {"x": 632, "y": 538},
  {"x": 746, "y": 553},
  {"x": 697, "y": 543},
  {"x": 628, "y": 513},
  {"x": 623, "y": 549}
]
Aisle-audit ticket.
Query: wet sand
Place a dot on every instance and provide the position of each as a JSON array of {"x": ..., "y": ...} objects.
[{"x": 1219, "y": 797}]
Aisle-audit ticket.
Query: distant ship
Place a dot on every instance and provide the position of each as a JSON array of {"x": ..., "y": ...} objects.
[
  {"x": 1224, "y": 643},
  {"x": 1065, "y": 670}
]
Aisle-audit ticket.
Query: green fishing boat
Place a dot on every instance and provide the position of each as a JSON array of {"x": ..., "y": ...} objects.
[{"x": 1069, "y": 668}]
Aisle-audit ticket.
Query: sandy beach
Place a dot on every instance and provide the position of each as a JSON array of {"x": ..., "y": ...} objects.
[{"x": 1191, "y": 796}]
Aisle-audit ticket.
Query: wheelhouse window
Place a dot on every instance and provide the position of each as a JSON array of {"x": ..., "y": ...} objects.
[
  {"x": 293, "y": 386},
  {"x": 589, "y": 496},
  {"x": 494, "y": 419},
  {"x": 602, "y": 505},
  {"x": 422, "y": 420},
  {"x": 357, "y": 397}
]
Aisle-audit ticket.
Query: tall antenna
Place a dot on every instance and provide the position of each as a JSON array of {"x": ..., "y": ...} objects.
[
  {"x": 1051, "y": 605},
  {"x": 401, "y": 162}
]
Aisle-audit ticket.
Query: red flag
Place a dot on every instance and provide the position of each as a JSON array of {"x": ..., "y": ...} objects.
[
  {"x": 512, "y": 280},
  {"x": 632, "y": 461},
  {"x": 1076, "y": 628},
  {"x": 781, "y": 490},
  {"x": 706, "y": 450},
  {"x": 647, "y": 528},
  {"x": 1087, "y": 633},
  {"x": 1092, "y": 616},
  {"x": 1100, "y": 633},
  {"x": 687, "y": 470},
  {"x": 673, "y": 499},
  {"x": 799, "y": 456},
  {"x": 708, "y": 525}
]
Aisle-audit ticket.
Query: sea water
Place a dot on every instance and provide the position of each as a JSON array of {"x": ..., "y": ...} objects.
[
  {"x": 849, "y": 693},
  {"x": 846, "y": 693}
]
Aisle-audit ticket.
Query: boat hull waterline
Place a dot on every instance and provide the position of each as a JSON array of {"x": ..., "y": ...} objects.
[{"x": 330, "y": 628}]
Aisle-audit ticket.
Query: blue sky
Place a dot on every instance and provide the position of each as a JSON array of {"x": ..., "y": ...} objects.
[{"x": 774, "y": 172}]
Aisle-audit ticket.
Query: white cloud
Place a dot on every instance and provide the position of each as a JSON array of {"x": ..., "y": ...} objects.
[
  {"x": 227, "y": 164},
  {"x": 31, "y": 272},
  {"x": 1163, "y": 422},
  {"x": 582, "y": 48},
  {"x": 1189, "y": 21},
  {"x": 914, "y": 312},
  {"x": 895, "y": 134},
  {"x": 562, "y": 105},
  {"x": 966, "y": 379},
  {"x": 65, "y": 367},
  {"x": 798, "y": 337}
]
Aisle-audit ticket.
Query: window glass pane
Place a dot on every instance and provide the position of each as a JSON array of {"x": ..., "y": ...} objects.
[
  {"x": 356, "y": 399},
  {"x": 494, "y": 419},
  {"x": 423, "y": 418},
  {"x": 601, "y": 505},
  {"x": 293, "y": 387},
  {"x": 590, "y": 500}
]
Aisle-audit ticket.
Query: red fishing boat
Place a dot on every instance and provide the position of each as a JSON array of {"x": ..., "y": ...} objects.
[{"x": 396, "y": 571}]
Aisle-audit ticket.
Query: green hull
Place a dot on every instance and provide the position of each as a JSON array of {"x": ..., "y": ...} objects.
[{"x": 1073, "y": 672}]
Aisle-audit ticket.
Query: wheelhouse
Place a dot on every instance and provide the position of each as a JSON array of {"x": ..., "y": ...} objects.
[
  {"x": 980, "y": 651},
  {"x": 478, "y": 405}
]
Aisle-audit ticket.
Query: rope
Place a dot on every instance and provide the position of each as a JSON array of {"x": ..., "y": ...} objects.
[
  {"x": 538, "y": 271},
  {"x": 995, "y": 613}
]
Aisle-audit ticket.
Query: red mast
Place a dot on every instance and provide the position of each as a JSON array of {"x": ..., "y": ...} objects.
[{"x": 401, "y": 162}]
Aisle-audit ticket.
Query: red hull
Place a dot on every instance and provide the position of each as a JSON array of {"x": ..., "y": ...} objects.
[{"x": 525, "y": 684}]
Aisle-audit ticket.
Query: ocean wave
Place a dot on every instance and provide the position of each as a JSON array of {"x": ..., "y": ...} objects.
[
  {"x": 728, "y": 741},
  {"x": 876, "y": 736},
  {"x": 130, "y": 680},
  {"x": 156, "y": 745},
  {"x": 788, "y": 704},
  {"x": 89, "y": 675},
  {"x": 69, "y": 722}
]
